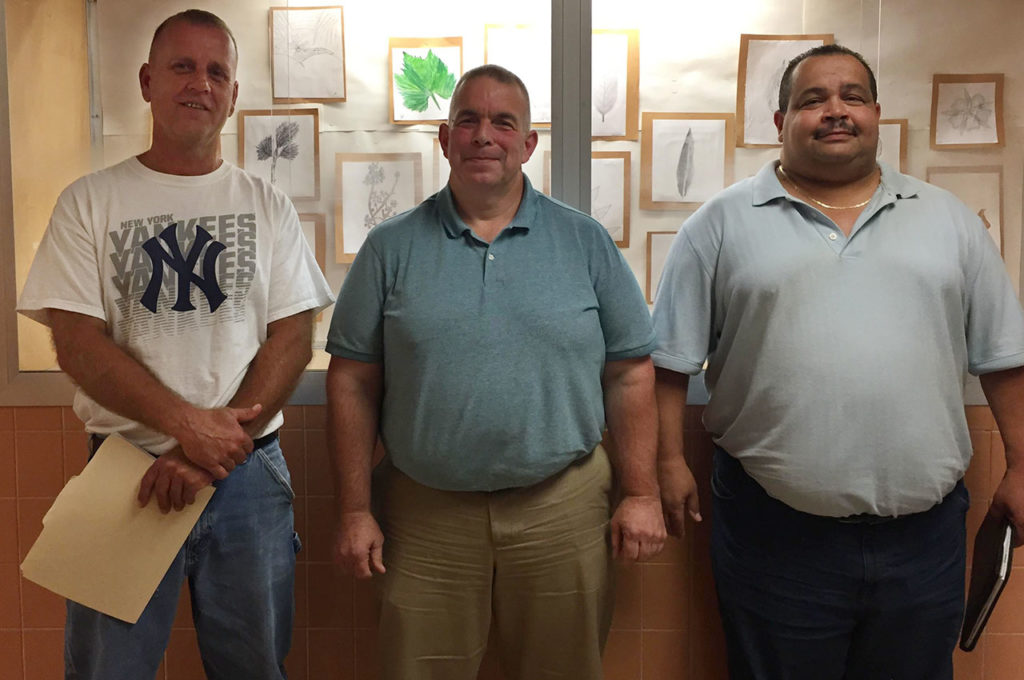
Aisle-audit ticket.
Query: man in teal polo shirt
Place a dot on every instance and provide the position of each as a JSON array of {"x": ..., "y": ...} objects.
[{"x": 487, "y": 336}]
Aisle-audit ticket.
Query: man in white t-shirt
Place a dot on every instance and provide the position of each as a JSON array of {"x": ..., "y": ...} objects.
[{"x": 180, "y": 293}]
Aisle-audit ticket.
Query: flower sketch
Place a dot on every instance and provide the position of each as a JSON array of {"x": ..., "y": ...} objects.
[
  {"x": 380, "y": 202},
  {"x": 281, "y": 144},
  {"x": 969, "y": 112}
]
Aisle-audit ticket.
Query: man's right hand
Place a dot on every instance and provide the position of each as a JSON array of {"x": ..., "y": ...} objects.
[
  {"x": 358, "y": 545},
  {"x": 678, "y": 494},
  {"x": 174, "y": 480},
  {"x": 215, "y": 440}
]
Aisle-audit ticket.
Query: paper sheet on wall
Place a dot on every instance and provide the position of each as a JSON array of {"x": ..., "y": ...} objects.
[{"x": 98, "y": 547}]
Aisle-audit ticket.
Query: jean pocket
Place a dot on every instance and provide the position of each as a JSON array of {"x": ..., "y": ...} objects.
[
  {"x": 718, "y": 486},
  {"x": 277, "y": 468}
]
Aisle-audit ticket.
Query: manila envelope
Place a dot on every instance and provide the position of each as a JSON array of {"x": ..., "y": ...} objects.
[{"x": 98, "y": 547}]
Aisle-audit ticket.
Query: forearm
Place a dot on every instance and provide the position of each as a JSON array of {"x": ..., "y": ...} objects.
[
  {"x": 354, "y": 391},
  {"x": 670, "y": 391},
  {"x": 112, "y": 377},
  {"x": 276, "y": 369},
  {"x": 1005, "y": 393},
  {"x": 632, "y": 418}
]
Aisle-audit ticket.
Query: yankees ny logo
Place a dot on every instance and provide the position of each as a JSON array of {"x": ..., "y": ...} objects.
[{"x": 183, "y": 266}]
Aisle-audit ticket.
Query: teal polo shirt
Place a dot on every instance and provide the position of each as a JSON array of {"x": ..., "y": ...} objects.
[{"x": 493, "y": 352}]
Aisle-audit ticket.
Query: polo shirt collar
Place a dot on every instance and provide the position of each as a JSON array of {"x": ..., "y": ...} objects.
[
  {"x": 767, "y": 187},
  {"x": 523, "y": 220}
]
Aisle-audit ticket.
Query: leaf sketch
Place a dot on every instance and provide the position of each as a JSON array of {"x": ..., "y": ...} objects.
[
  {"x": 380, "y": 203},
  {"x": 598, "y": 211},
  {"x": 281, "y": 144},
  {"x": 684, "y": 168},
  {"x": 968, "y": 113},
  {"x": 606, "y": 93},
  {"x": 424, "y": 79}
]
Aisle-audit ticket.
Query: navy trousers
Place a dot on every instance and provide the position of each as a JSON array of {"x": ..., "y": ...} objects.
[{"x": 804, "y": 597}]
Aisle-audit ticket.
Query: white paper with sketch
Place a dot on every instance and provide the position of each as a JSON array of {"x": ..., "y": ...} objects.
[{"x": 98, "y": 547}]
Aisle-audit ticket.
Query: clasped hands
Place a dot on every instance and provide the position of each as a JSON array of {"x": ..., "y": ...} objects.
[{"x": 211, "y": 443}]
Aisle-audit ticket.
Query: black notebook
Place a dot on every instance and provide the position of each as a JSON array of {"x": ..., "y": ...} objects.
[{"x": 990, "y": 570}]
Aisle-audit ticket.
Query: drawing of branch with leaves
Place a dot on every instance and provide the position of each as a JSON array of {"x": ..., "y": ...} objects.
[
  {"x": 424, "y": 79},
  {"x": 606, "y": 94},
  {"x": 380, "y": 203},
  {"x": 279, "y": 145}
]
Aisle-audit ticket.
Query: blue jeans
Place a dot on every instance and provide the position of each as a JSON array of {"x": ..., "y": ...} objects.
[
  {"x": 240, "y": 564},
  {"x": 804, "y": 597}
]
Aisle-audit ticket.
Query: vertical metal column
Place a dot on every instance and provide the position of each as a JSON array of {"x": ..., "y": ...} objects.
[{"x": 570, "y": 102}]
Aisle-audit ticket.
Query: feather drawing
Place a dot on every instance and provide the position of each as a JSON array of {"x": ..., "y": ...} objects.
[
  {"x": 684, "y": 168},
  {"x": 606, "y": 94}
]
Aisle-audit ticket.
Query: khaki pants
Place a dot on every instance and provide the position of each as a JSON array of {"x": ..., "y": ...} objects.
[{"x": 535, "y": 561}]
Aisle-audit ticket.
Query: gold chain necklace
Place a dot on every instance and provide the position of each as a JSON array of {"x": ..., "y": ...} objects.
[{"x": 822, "y": 203}]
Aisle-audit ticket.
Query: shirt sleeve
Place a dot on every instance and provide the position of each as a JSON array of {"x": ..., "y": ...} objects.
[
  {"x": 65, "y": 273},
  {"x": 357, "y": 327},
  {"x": 296, "y": 281},
  {"x": 995, "y": 322},
  {"x": 625, "y": 319},
  {"x": 683, "y": 306}
]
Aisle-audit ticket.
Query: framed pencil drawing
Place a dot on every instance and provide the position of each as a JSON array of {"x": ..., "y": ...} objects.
[
  {"x": 892, "y": 142},
  {"x": 686, "y": 158},
  {"x": 658, "y": 243},
  {"x": 980, "y": 187},
  {"x": 370, "y": 188},
  {"x": 283, "y": 147},
  {"x": 967, "y": 111},
  {"x": 314, "y": 228},
  {"x": 609, "y": 193},
  {"x": 524, "y": 49},
  {"x": 763, "y": 59},
  {"x": 423, "y": 73},
  {"x": 615, "y": 100},
  {"x": 307, "y": 54}
]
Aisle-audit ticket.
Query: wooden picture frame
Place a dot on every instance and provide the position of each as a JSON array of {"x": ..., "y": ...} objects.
[
  {"x": 314, "y": 228},
  {"x": 290, "y": 140},
  {"x": 981, "y": 188},
  {"x": 658, "y": 244},
  {"x": 359, "y": 197},
  {"x": 307, "y": 54},
  {"x": 696, "y": 149},
  {"x": 967, "y": 111},
  {"x": 892, "y": 142},
  {"x": 526, "y": 51},
  {"x": 448, "y": 51},
  {"x": 616, "y": 60},
  {"x": 763, "y": 59},
  {"x": 609, "y": 205}
]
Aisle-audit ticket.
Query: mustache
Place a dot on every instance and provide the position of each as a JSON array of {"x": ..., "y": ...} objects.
[{"x": 838, "y": 126}]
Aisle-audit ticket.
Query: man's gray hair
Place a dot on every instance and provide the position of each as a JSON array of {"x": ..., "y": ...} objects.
[
  {"x": 196, "y": 17},
  {"x": 494, "y": 72}
]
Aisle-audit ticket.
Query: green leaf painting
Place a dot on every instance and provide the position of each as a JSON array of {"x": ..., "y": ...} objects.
[{"x": 424, "y": 79}]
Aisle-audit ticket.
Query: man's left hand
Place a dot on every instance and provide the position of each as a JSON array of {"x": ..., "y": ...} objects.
[
  {"x": 638, "y": 528},
  {"x": 1008, "y": 501},
  {"x": 174, "y": 480}
]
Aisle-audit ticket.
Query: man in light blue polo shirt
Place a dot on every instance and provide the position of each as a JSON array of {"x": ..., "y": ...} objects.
[
  {"x": 839, "y": 305},
  {"x": 487, "y": 336}
]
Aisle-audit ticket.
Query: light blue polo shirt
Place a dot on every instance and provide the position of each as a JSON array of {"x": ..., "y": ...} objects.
[
  {"x": 493, "y": 353},
  {"x": 835, "y": 364}
]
